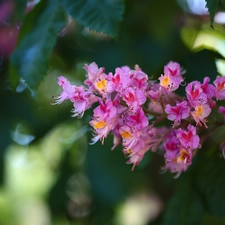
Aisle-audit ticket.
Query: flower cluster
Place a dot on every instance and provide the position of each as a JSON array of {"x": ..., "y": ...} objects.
[{"x": 130, "y": 106}]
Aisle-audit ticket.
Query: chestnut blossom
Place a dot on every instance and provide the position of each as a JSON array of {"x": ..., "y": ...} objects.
[
  {"x": 133, "y": 98},
  {"x": 67, "y": 90},
  {"x": 178, "y": 112},
  {"x": 220, "y": 87},
  {"x": 104, "y": 120},
  {"x": 131, "y": 108},
  {"x": 200, "y": 113},
  {"x": 169, "y": 82},
  {"x": 177, "y": 157},
  {"x": 208, "y": 89},
  {"x": 188, "y": 139},
  {"x": 137, "y": 120},
  {"x": 179, "y": 163},
  {"x": 93, "y": 73},
  {"x": 195, "y": 94},
  {"x": 173, "y": 69},
  {"x": 82, "y": 100},
  {"x": 138, "y": 78},
  {"x": 172, "y": 77}
]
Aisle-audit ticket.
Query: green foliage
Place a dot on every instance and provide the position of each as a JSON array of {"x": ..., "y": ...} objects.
[
  {"x": 210, "y": 181},
  {"x": 185, "y": 207},
  {"x": 20, "y": 6},
  {"x": 40, "y": 27},
  {"x": 37, "y": 38},
  {"x": 223, "y": 1},
  {"x": 209, "y": 219},
  {"x": 212, "y": 6},
  {"x": 99, "y": 15},
  {"x": 151, "y": 35}
]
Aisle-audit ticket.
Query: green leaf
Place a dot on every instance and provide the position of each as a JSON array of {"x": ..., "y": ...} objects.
[
  {"x": 185, "y": 206},
  {"x": 20, "y": 7},
  {"x": 210, "y": 181},
  {"x": 223, "y": 1},
  {"x": 36, "y": 41},
  {"x": 212, "y": 6},
  {"x": 99, "y": 15},
  {"x": 209, "y": 219}
]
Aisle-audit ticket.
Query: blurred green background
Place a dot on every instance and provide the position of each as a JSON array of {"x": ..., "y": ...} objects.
[{"x": 50, "y": 175}]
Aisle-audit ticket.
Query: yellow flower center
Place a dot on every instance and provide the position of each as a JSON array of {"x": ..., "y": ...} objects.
[
  {"x": 182, "y": 157},
  {"x": 126, "y": 134},
  {"x": 198, "y": 110},
  {"x": 128, "y": 151},
  {"x": 101, "y": 84},
  {"x": 165, "y": 81},
  {"x": 100, "y": 124}
]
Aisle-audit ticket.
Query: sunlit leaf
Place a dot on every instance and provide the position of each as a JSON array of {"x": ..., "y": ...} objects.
[
  {"x": 37, "y": 38},
  {"x": 212, "y": 6},
  {"x": 99, "y": 15},
  {"x": 213, "y": 40}
]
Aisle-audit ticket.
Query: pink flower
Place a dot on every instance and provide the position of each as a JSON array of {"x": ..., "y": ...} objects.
[
  {"x": 188, "y": 139},
  {"x": 169, "y": 82},
  {"x": 102, "y": 128},
  {"x": 220, "y": 87},
  {"x": 82, "y": 100},
  {"x": 133, "y": 98},
  {"x": 200, "y": 113},
  {"x": 178, "y": 112},
  {"x": 137, "y": 153},
  {"x": 136, "y": 158},
  {"x": 208, "y": 89},
  {"x": 62, "y": 81},
  {"x": 139, "y": 78},
  {"x": 178, "y": 148},
  {"x": 137, "y": 142},
  {"x": 195, "y": 94},
  {"x": 178, "y": 161},
  {"x": 121, "y": 97},
  {"x": 153, "y": 92},
  {"x": 137, "y": 120},
  {"x": 155, "y": 136},
  {"x": 156, "y": 106},
  {"x": 103, "y": 85},
  {"x": 130, "y": 137},
  {"x": 104, "y": 120},
  {"x": 171, "y": 147},
  {"x": 93, "y": 74},
  {"x": 138, "y": 150},
  {"x": 173, "y": 69},
  {"x": 172, "y": 77},
  {"x": 107, "y": 110},
  {"x": 121, "y": 79},
  {"x": 171, "y": 143},
  {"x": 68, "y": 90}
]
